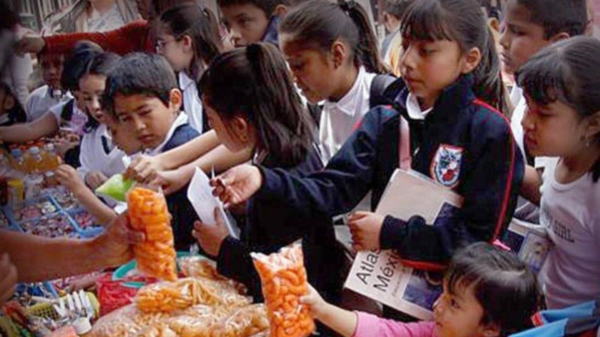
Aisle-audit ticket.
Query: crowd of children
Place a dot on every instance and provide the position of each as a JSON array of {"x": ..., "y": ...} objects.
[{"x": 298, "y": 108}]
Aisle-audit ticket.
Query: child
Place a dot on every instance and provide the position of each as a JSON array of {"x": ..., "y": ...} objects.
[
  {"x": 529, "y": 26},
  {"x": 487, "y": 293},
  {"x": 99, "y": 158},
  {"x": 50, "y": 94},
  {"x": 444, "y": 73},
  {"x": 142, "y": 94},
  {"x": 562, "y": 87},
  {"x": 251, "y": 21},
  {"x": 66, "y": 113},
  {"x": 391, "y": 47},
  {"x": 273, "y": 122},
  {"x": 332, "y": 52},
  {"x": 188, "y": 39},
  {"x": 11, "y": 111}
]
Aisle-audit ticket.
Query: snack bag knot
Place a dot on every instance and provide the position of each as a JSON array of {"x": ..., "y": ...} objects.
[
  {"x": 148, "y": 213},
  {"x": 283, "y": 279}
]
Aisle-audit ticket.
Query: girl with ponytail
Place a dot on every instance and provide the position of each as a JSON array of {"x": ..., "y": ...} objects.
[{"x": 261, "y": 110}]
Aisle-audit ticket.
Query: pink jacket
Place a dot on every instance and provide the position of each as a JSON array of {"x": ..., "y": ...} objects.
[{"x": 370, "y": 325}]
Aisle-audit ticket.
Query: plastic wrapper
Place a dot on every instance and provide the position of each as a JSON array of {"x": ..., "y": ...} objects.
[
  {"x": 170, "y": 296},
  {"x": 126, "y": 322},
  {"x": 116, "y": 187},
  {"x": 199, "y": 266},
  {"x": 245, "y": 322},
  {"x": 283, "y": 279},
  {"x": 148, "y": 213}
]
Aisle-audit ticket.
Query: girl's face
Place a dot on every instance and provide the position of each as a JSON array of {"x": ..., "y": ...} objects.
[
  {"x": 313, "y": 71},
  {"x": 178, "y": 52},
  {"x": 247, "y": 23},
  {"x": 92, "y": 88},
  {"x": 428, "y": 67},
  {"x": 554, "y": 130},
  {"x": 52, "y": 68},
  {"x": 235, "y": 134},
  {"x": 460, "y": 314}
]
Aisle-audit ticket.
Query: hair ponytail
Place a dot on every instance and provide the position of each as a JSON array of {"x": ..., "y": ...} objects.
[
  {"x": 319, "y": 23},
  {"x": 264, "y": 94},
  {"x": 488, "y": 76}
]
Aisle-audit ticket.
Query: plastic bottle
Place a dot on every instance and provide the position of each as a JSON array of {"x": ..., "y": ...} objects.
[
  {"x": 17, "y": 161},
  {"x": 51, "y": 158},
  {"x": 35, "y": 164}
]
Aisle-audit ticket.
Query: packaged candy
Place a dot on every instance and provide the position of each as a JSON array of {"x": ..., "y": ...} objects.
[
  {"x": 148, "y": 213},
  {"x": 116, "y": 187},
  {"x": 283, "y": 279}
]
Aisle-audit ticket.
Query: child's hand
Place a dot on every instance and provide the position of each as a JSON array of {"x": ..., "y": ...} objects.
[
  {"x": 64, "y": 145},
  {"x": 316, "y": 304},
  {"x": 366, "y": 230},
  {"x": 95, "y": 179},
  {"x": 68, "y": 177},
  {"x": 144, "y": 169},
  {"x": 172, "y": 181},
  {"x": 211, "y": 237},
  {"x": 237, "y": 185}
]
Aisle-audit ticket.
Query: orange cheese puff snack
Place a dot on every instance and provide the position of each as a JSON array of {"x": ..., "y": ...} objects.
[
  {"x": 148, "y": 213},
  {"x": 163, "y": 297},
  {"x": 283, "y": 279}
]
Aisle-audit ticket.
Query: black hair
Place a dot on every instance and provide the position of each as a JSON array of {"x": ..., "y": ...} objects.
[
  {"x": 493, "y": 8},
  {"x": 139, "y": 73},
  {"x": 198, "y": 23},
  {"x": 503, "y": 285},
  {"x": 568, "y": 16},
  {"x": 99, "y": 64},
  {"x": 396, "y": 8},
  {"x": 317, "y": 24},
  {"x": 461, "y": 21},
  {"x": 264, "y": 94},
  {"x": 77, "y": 62},
  {"x": 267, "y": 6},
  {"x": 567, "y": 71},
  {"x": 16, "y": 114}
]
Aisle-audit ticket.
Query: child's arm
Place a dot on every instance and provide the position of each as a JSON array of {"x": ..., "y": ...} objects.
[
  {"x": 21, "y": 133},
  {"x": 68, "y": 177},
  {"x": 532, "y": 182},
  {"x": 360, "y": 324}
]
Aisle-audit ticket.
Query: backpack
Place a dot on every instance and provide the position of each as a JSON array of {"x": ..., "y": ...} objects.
[
  {"x": 579, "y": 320},
  {"x": 382, "y": 92}
]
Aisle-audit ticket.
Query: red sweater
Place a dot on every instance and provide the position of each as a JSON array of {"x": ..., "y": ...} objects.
[{"x": 132, "y": 37}]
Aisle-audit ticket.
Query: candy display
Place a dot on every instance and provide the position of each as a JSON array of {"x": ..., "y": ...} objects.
[
  {"x": 66, "y": 200},
  {"x": 33, "y": 209},
  {"x": 148, "y": 213},
  {"x": 84, "y": 219},
  {"x": 283, "y": 278},
  {"x": 51, "y": 227}
]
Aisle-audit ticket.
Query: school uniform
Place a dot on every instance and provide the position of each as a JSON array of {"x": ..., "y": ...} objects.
[
  {"x": 182, "y": 212},
  {"x": 41, "y": 100},
  {"x": 462, "y": 143},
  {"x": 271, "y": 226},
  {"x": 98, "y": 153},
  {"x": 192, "y": 105}
]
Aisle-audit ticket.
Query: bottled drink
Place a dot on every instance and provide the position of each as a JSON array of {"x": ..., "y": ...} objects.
[
  {"x": 35, "y": 163},
  {"x": 18, "y": 162},
  {"x": 51, "y": 158}
]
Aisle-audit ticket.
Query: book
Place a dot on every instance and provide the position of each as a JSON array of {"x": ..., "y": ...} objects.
[
  {"x": 530, "y": 242},
  {"x": 380, "y": 275}
]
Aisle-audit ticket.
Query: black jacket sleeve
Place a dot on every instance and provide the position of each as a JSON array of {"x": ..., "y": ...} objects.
[{"x": 490, "y": 190}]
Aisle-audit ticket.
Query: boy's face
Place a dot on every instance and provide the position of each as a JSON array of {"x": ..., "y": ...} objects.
[
  {"x": 52, "y": 68},
  {"x": 247, "y": 23},
  {"x": 460, "y": 314},
  {"x": 148, "y": 118},
  {"x": 521, "y": 38}
]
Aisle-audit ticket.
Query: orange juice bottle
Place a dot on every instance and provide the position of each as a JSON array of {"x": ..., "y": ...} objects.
[{"x": 51, "y": 158}]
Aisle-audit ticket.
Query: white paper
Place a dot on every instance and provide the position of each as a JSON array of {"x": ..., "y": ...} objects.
[{"x": 200, "y": 195}]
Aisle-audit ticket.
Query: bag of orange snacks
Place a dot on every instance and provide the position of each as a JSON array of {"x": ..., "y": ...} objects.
[
  {"x": 148, "y": 213},
  {"x": 283, "y": 279}
]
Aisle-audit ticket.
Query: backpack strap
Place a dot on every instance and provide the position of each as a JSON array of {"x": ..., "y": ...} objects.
[{"x": 378, "y": 94}]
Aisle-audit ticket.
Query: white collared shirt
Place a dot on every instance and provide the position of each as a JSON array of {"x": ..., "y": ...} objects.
[
  {"x": 414, "y": 109},
  {"x": 40, "y": 101},
  {"x": 93, "y": 156},
  {"x": 339, "y": 119},
  {"x": 179, "y": 121},
  {"x": 191, "y": 101}
]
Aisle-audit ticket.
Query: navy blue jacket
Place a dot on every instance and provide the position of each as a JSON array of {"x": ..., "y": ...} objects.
[
  {"x": 182, "y": 211},
  {"x": 460, "y": 129},
  {"x": 271, "y": 226}
]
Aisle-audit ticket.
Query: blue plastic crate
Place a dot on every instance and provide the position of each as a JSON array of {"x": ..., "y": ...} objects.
[{"x": 87, "y": 232}]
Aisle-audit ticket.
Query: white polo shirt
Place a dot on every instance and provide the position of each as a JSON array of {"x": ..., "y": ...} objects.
[{"x": 191, "y": 101}]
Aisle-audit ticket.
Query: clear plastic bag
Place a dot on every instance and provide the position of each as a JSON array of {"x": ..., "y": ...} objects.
[
  {"x": 148, "y": 213},
  {"x": 283, "y": 279}
]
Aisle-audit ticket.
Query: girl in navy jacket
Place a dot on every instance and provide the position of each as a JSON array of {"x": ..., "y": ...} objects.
[{"x": 457, "y": 140}]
